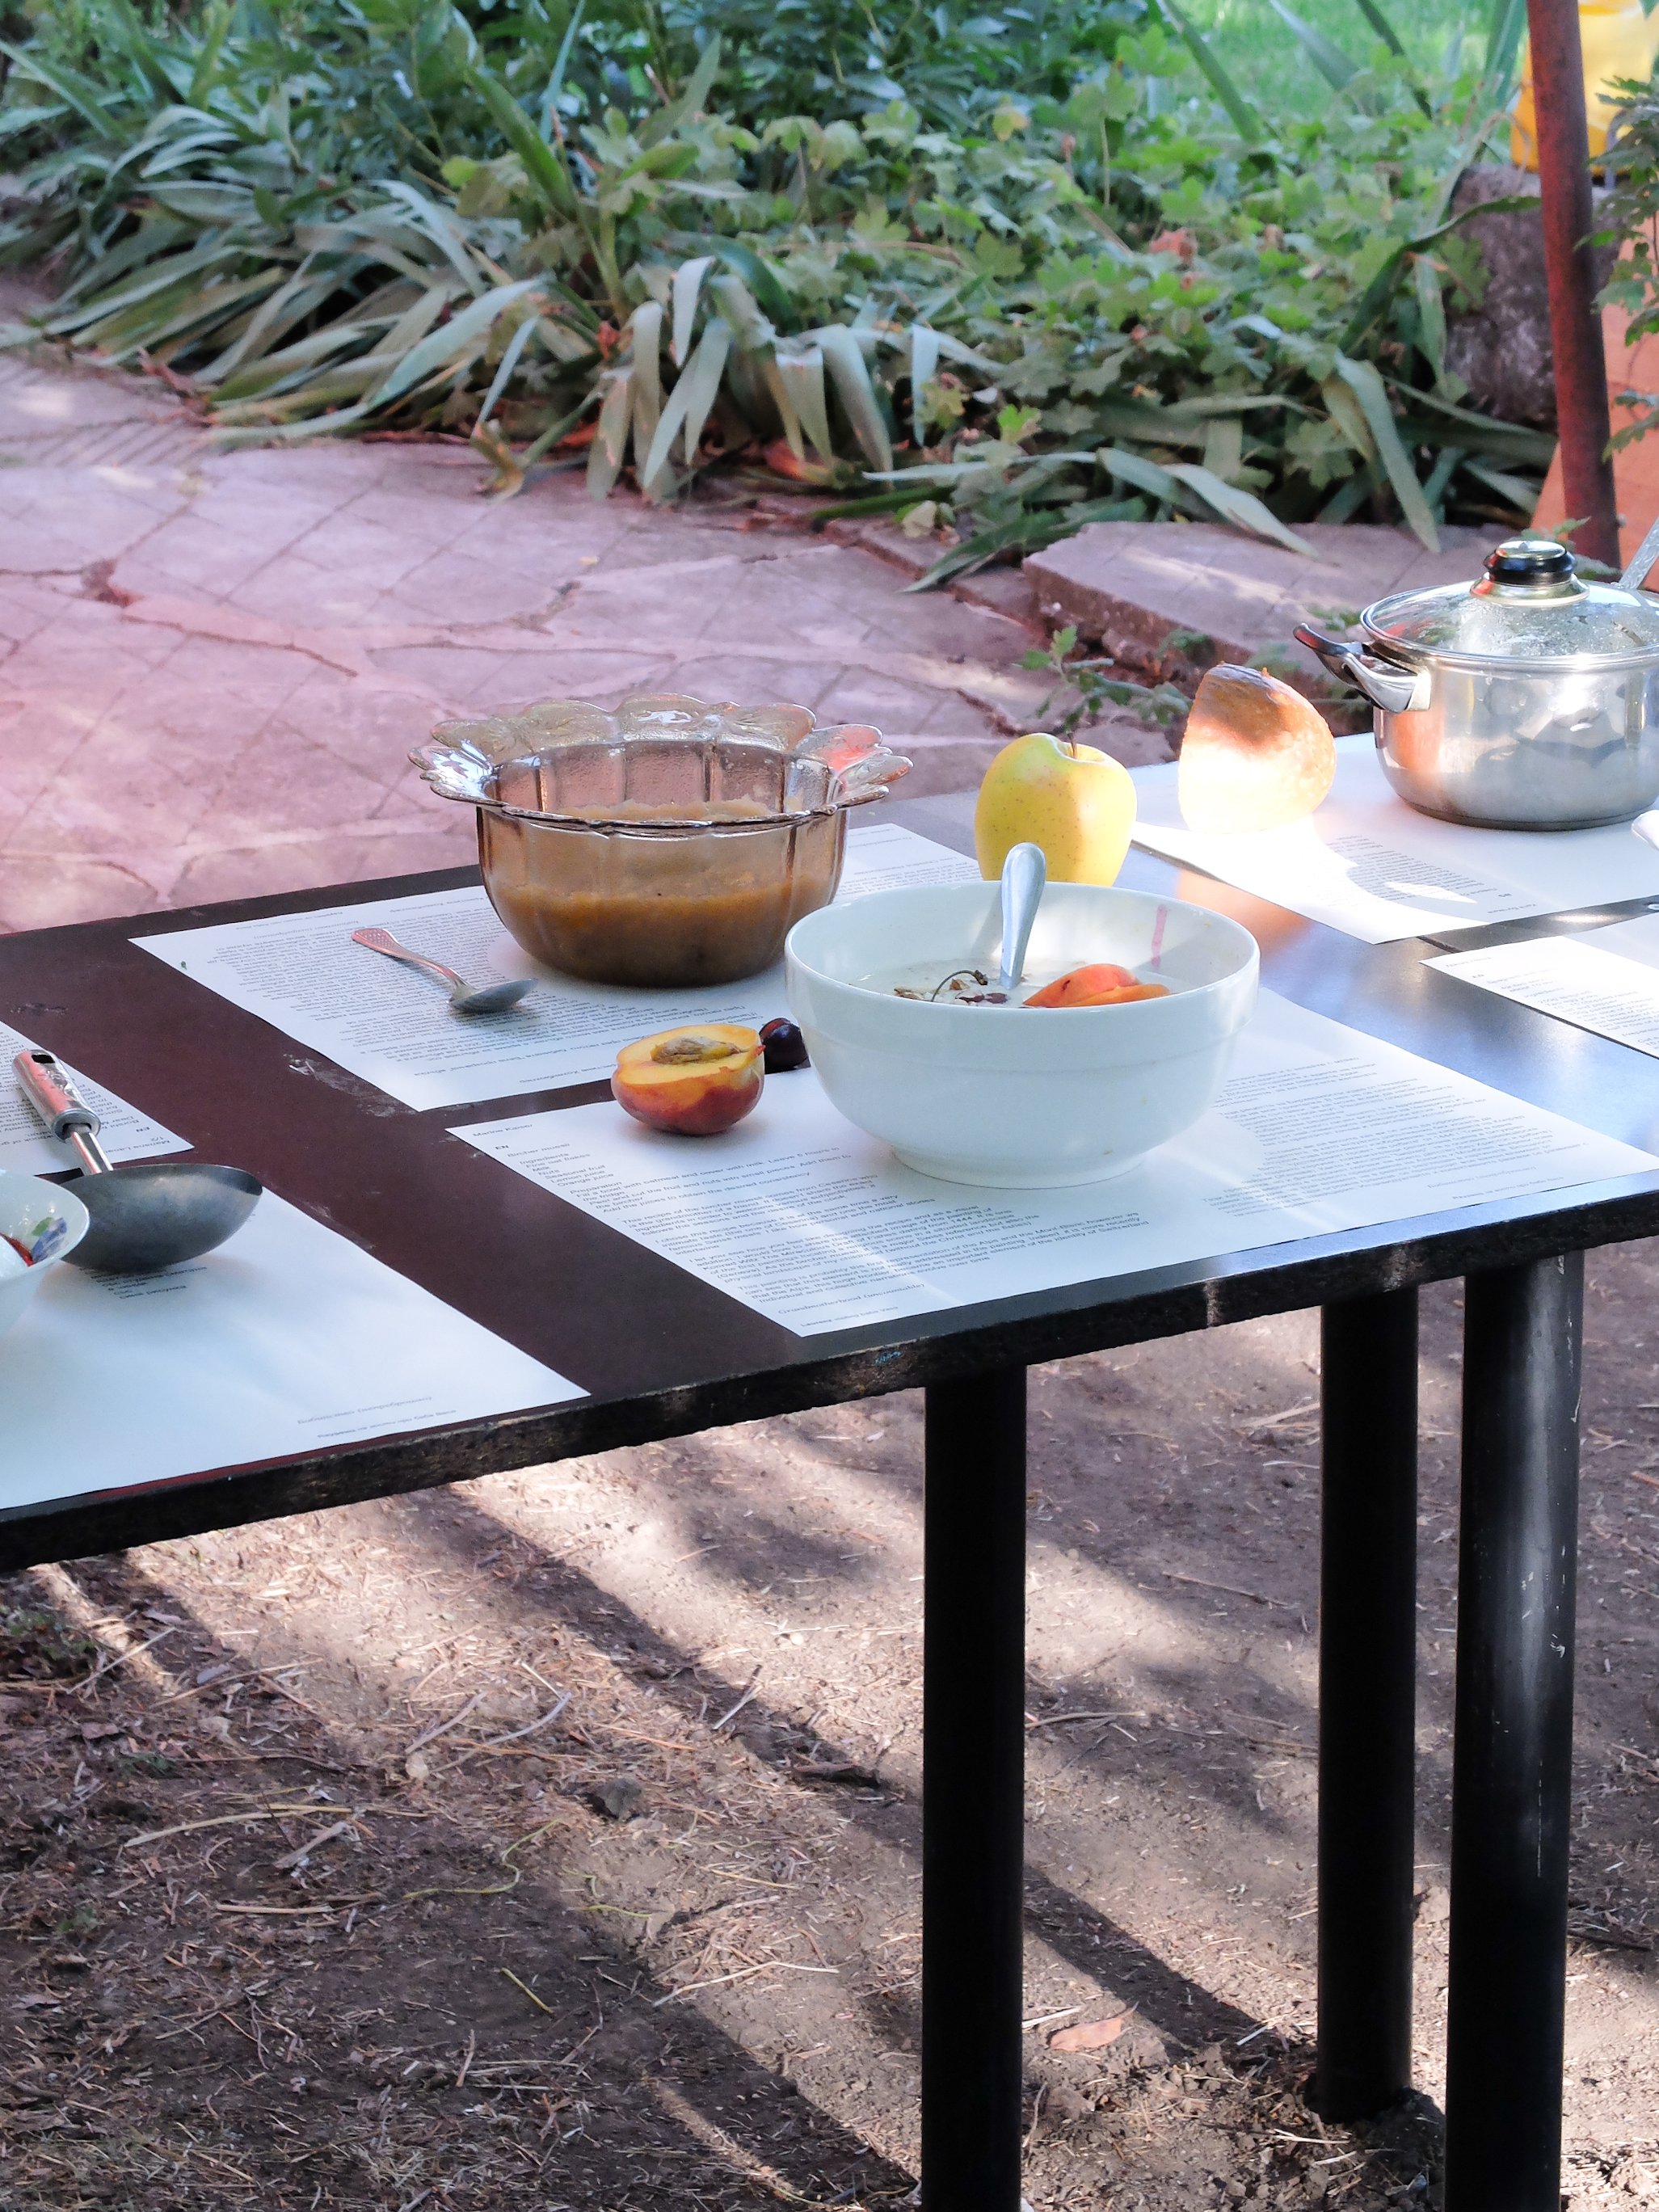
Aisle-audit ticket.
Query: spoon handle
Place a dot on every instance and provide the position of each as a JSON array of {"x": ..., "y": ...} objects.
[
  {"x": 46, "y": 1084},
  {"x": 1025, "y": 873},
  {"x": 1646, "y": 554},
  {"x": 382, "y": 940}
]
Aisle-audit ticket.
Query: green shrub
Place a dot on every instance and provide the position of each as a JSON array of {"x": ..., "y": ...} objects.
[{"x": 1032, "y": 267}]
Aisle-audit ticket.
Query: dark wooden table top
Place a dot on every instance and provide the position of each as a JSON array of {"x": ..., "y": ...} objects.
[{"x": 660, "y": 1352}]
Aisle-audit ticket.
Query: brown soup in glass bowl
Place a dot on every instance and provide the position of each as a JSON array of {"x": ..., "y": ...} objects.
[{"x": 670, "y": 842}]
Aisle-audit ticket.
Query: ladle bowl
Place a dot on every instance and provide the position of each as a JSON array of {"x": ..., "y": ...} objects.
[
  {"x": 145, "y": 1217},
  {"x": 142, "y": 1217}
]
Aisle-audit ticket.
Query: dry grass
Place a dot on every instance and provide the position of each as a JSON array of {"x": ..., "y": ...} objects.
[{"x": 552, "y": 1842}]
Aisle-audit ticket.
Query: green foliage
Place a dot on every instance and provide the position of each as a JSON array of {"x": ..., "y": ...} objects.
[
  {"x": 1630, "y": 217},
  {"x": 1087, "y": 687},
  {"x": 1442, "y": 40},
  {"x": 38, "y": 1645},
  {"x": 1032, "y": 269}
]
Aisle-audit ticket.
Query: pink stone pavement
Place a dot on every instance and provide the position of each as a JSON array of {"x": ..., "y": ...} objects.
[{"x": 213, "y": 663}]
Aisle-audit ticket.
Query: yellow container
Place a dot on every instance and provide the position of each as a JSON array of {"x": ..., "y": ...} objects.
[{"x": 1619, "y": 42}]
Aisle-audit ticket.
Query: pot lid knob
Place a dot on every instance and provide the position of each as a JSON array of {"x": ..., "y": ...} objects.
[{"x": 1529, "y": 560}]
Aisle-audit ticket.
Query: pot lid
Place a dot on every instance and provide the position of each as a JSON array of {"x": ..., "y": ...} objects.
[{"x": 1530, "y": 605}]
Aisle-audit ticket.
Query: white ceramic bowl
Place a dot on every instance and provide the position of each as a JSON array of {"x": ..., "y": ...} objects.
[
  {"x": 28, "y": 1209},
  {"x": 1020, "y": 1095}
]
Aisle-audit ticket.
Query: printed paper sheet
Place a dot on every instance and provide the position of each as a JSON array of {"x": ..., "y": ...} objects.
[
  {"x": 807, "y": 1220},
  {"x": 1374, "y": 868},
  {"x": 393, "y": 1027},
  {"x": 288, "y": 1338},
  {"x": 25, "y": 1148},
  {"x": 1606, "y": 981}
]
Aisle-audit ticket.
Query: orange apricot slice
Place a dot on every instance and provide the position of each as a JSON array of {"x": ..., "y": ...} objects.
[{"x": 1082, "y": 986}]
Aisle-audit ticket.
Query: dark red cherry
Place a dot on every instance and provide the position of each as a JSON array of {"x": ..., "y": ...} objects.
[{"x": 784, "y": 1045}]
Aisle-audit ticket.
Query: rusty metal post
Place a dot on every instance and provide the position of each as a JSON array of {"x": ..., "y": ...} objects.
[{"x": 1581, "y": 369}]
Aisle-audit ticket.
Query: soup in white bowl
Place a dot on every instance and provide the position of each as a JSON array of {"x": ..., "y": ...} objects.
[{"x": 1013, "y": 1095}]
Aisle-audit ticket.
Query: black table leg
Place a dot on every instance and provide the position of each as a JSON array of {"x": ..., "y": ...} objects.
[
  {"x": 973, "y": 1794},
  {"x": 1367, "y": 1701},
  {"x": 1511, "y": 1775}
]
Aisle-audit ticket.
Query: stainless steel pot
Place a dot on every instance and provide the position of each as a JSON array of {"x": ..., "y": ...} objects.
[{"x": 1528, "y": 700}]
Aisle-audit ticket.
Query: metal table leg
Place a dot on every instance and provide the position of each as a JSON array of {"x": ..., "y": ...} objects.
[
  {"x": 1511, "y": 1773},
  {"x": 973, "y": 1794},
  {"x": 1367, "y": 1701}
]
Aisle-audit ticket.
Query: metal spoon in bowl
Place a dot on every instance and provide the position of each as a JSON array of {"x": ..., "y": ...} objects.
[
  {"x": 464, "y": 998},
  {"x": 1024, "y": 875},
  {"x": 1647, "y": 553},
  {"x": 144, "y": 1216}
]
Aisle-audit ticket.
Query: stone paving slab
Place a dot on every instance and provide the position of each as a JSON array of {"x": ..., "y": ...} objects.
[
  {"x": 213, "y": 663},
  {"x": 59, "y": 420},
  {"x": 999, "y": 590},
  {"x": 1174, "y": 597}
]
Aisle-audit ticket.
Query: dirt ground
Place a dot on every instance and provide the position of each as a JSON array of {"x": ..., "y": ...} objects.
[{"x": 551, "y": 1841}]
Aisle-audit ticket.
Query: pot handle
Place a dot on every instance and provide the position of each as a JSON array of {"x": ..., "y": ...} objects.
[{"x": 1394, "y": 690}]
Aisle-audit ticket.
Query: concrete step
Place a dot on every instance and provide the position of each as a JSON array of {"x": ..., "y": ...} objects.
[
  {"x": 1172, "y": 598},
  {"x": 996, "y": 590}
]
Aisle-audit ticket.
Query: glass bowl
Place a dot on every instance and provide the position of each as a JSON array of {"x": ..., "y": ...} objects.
[{"x": 668, "y": 842}]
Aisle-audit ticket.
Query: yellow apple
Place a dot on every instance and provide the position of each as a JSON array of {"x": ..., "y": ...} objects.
[{"x": 1076, "y": 802}]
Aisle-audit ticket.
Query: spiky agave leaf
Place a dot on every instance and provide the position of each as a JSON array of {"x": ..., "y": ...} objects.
[
  {"x": 688, "y": 284},
  {"x": 1247, "y": 121},
  {"x": 1367, "y": 387},
  {"x": 1326, "y": 57},
  {"x": 801, "y": 372},
  {"x": 1237, "y": 507},
  {"x": 689, "y": 404},
  {"x": 850, "y": 374},
  {"x": 646, "y": 328},
  {"x": 610, "y": 446}
]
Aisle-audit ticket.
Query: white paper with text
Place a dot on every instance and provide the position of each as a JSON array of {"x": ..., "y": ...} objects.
[
  {"x": 1374, "y": 868},
  {"x": 394, "y": 1028},
  {"x": 287, "y": 1339},
  {"x": 807, "y": 1220},
  {"x": 26, "y": 1147},
  {"x": 1606, "y": 981}
]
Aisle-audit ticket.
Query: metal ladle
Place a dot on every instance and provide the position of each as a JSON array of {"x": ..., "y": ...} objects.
[
  {"x": 143, "y": 1217},
  {"x": 1025, "y": 876}
]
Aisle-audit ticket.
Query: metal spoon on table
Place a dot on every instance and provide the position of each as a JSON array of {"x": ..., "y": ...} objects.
[
  {"x": 464, "y": 998},
  {"x": 145, "y": 1216},
  {"x": 1024, "y": 875}
]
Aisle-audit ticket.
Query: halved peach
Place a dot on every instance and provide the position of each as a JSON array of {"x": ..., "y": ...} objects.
[
  {"x": 694, "y": 1082},
  {"x": 1104, "y": 983}
]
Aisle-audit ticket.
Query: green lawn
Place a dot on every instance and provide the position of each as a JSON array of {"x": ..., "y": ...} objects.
[{"x": 1267, "y": 59}]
